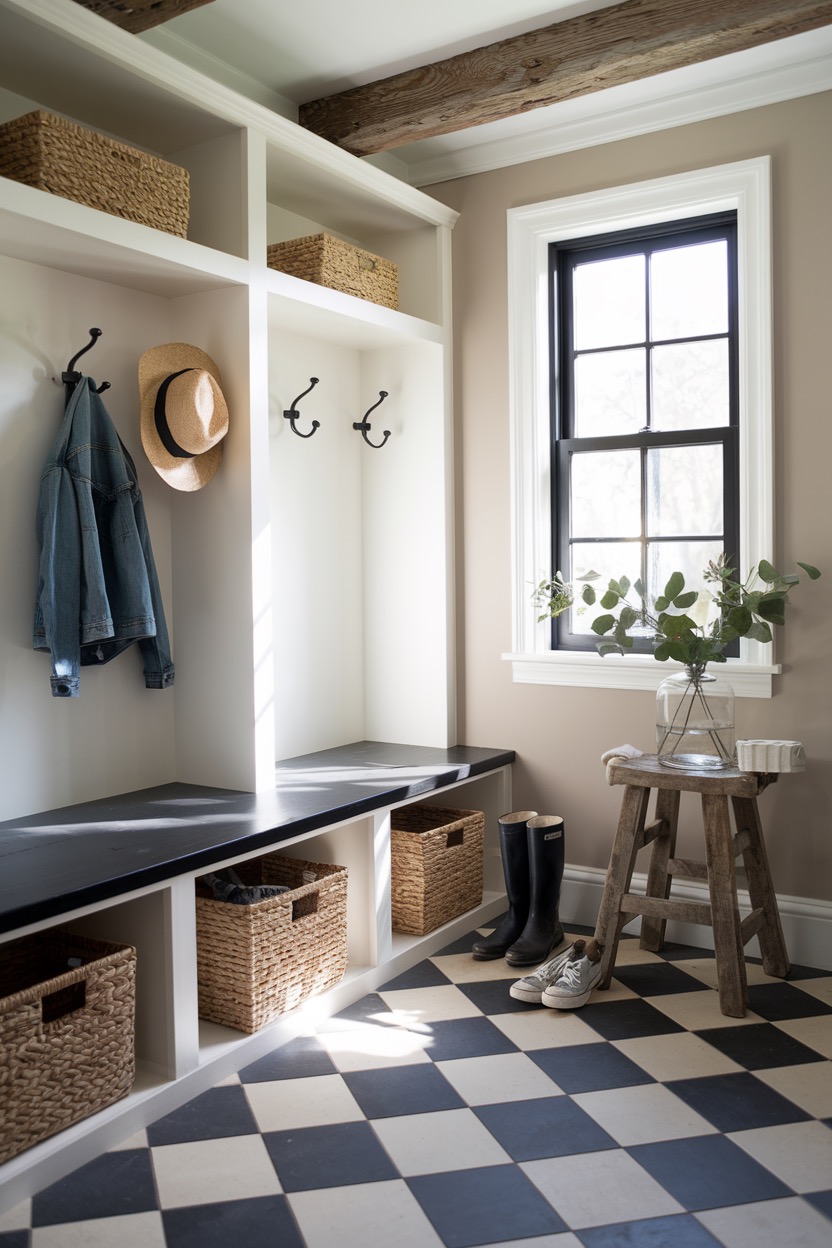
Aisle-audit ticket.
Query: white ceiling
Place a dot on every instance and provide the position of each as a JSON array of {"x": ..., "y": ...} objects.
[{"x": 283, "y": 55}]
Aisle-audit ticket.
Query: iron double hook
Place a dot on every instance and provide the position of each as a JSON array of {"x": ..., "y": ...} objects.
[
  {"x": 293, "y": 414},
  {"x": 364, "y": 425}
]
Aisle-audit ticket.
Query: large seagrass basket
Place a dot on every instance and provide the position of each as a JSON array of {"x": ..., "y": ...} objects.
[
  {"x": 257, "y": 961},
  {"x": 436, "y": 866},
  {"x": 331, "y": 262},
  {"x": 67, "y": 1007},
  {"x": 59, "y": 156}
]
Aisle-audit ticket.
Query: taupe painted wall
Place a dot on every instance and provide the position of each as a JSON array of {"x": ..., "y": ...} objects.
[{"x": 560, "y": 733}]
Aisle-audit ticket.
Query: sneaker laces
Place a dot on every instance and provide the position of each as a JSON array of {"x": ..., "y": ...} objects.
[{"x": 571, "y": 974}]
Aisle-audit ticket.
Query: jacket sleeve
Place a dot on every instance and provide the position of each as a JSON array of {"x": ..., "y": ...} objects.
[
  {"x": 155, "y": 651},
  {"x": 58, "y": 603}
]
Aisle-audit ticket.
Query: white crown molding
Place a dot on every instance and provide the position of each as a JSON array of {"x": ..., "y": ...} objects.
[{"x": 784, "y": 70}]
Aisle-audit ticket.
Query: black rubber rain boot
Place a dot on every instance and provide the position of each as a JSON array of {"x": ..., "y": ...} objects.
[
  {"x": 543, "y": 932},
  {"x": 514, "y": 851}
]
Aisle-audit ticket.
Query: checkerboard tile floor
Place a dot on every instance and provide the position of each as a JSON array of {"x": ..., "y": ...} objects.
[{"x": 441, "y": 1112}]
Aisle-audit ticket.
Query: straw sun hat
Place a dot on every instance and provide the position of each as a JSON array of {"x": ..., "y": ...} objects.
[{"x": 183, "y": 414}]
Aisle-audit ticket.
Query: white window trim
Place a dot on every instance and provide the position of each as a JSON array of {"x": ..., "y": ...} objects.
[{"x": 744, "y": 186}]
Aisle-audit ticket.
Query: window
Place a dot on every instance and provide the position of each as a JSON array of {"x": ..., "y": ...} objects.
[
  {"x": 670, "y": 205},
  {"x": 643, "y": 346}
]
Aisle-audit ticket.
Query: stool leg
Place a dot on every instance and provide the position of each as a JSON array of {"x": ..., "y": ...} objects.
[
  {"x": 728, "y": 947},
  {"x": 627, "y": 843},
  {"x": 761, "y": 889},
  {"x": 658, "y": 878}
]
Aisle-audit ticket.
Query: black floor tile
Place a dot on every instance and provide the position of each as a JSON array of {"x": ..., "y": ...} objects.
[
  {"x": 360, "y": 1011},
  {"x": 808, "y": 972},
  {"x": 822, "y": 1201},
  {"x": 759, "y": 1046},
  {"x": 676, "y": 1231},
  {"x": 589, "y": 1068},
  {"x": 492, "y": 995},
  {"x": 14, "y": 1239},
  {"x": 738, "y": 1102},
  {"x": 708, "y": 1172},
  {"x": 423, "y": 975},
  {"x": 336, "y": 1155},
  {"x": 626, "y": 1020},
  {"x": 778, "y": 1002},
  {"x": 213, "y": 1115},
  {"x": 261, "y": 1222},
  {"x": 466, "y": 1037},
  {"x": 117, "y": 1183},
  {"x": 465, "y": 943},
  {"x": 414, "y": 1089},
  {"x": 679, "y": 953},
  {"x": 301, "y": 1058},
  {"x": 652, "y": 979},
  {"x": 550, "y": 1126},
  {"x": 489, "y": 1205}
]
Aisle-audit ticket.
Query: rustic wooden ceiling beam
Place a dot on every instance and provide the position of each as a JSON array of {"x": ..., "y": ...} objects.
[{"x": 632, "y": 40}]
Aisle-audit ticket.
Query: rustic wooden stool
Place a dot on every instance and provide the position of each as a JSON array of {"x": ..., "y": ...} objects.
[{"x": 619, "y": 905}]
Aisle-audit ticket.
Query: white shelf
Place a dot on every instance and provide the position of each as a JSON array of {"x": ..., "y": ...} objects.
[{"x": 301, "y": 307}]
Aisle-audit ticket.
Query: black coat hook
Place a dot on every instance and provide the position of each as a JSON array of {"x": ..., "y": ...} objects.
[
  {"x": 365, "y": 426},
  {"x": 293, "y": 414},
  {"x": 70, "y": 377}
]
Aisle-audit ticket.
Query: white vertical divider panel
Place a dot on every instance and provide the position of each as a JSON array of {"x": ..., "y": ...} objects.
[
  {"x": 212, "y": 567},
  {"x": 381, "y": 878},
  {"x": 182, "y": 1007},
  {"x": 405, "y": 533}
]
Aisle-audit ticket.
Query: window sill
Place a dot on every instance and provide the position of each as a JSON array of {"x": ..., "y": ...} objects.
[{"x": 590, "y": 671}]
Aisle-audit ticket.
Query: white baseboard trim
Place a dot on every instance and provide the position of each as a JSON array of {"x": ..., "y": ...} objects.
[{"x": 807, "y": 924}]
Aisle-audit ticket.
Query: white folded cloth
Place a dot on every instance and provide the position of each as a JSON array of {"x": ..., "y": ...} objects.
[{"x": 617, "y": 753}]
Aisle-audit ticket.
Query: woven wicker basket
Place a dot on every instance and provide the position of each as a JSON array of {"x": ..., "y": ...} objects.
[
  {"x": 436, "y": 866},
  {"x": 69, "y": 160},
  {"x": 329, "y": 261},
  {"x": 257, "y": 961},
  {"x": 139, "y": 15},
  {"x": 66, "y": 1034}
]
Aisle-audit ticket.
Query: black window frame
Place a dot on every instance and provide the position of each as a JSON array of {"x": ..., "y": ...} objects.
[{"x": 563, "y": 258}]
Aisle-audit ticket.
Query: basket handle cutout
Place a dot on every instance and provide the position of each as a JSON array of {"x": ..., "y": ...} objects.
[
  {"x": 364, "y": 262},
  {"x": 304, "y": 906},
  {"x": 65, "y": 1001},
  {"x": 456, "y": 837}
]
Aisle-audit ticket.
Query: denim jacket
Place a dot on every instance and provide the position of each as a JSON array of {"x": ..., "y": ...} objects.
[{"x": 98, "y": 591}]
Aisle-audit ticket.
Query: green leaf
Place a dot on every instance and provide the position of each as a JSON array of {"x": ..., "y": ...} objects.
[
  {"x": 811, "y": 571},
  {"x": 683, "y": 601},
  {"x": 661, "y": 604},
  {"x": 628, "y": 617},
  {"x": 603, "y": 624},
  {"x": 740, "y": 620},
  {"x": 767, "y": 572},
  {"x": 608, "y": 647},
  {"x": 588, "y": 594},
  {"x": 676, "y": 625},
  {"x": 772, "y": 609},
  {"x": 611, "y": 599},
  {"x": 640, "y": 588},
  {"x": 662, "y": 652},
  {"x": 759, "y": 631},
  {"x": 674, "y": 586},
  {"x": 678, "y": 650},
  {"x": 624, "y": 583}
]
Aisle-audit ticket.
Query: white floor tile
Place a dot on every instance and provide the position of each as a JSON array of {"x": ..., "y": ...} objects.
[
  {"x": 566, "y": 1240},
  {"x": 628, "y": 953},
  {"x": 362, "y": 1214},
  {"x": 497, "y": 1078},
  {"x": 18, "y": 1218},
  {"x": 820, "y": 988},
  {"x": 545, "y": 1029},
  {"x": 449, "y": 1139},
  {"x": 815, "y": 1032},
  {"x": 768, "y": 1224},
  {"x": 461, "y": 968},
  {"x": 139, "y": 1140},
  {"x": 371, "y": 1046},
  {"x": 677, "y": 1056},
  {"x": 135, "y": 1230},
  {"x": 799, "y": 1153},
  {"x": 421, "y": 1006},
  {"x": 312, "y": 1102},
  {"x": 808, "y": 1085},
  {"x": 699, "y": 1010},
  {"x": 202, "y": 1172},
  {"x": 643, "y": 1115},
  {"x": 594, "y": 1189},
  {"x": 705, "y": 969}
]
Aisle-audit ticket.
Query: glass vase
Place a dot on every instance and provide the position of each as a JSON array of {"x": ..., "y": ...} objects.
[{"x": 695, "y": 721}]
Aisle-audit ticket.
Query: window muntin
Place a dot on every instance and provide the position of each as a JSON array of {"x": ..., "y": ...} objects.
[{"x": 644, "y": 406}]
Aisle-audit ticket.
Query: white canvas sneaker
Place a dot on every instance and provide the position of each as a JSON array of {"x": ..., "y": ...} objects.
[
  {"x": 531, "y": 987},
  {"x": 578, "y": 976}
]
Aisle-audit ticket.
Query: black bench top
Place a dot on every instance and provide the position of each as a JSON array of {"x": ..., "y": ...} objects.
[{"x": 59, "y": 860}]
